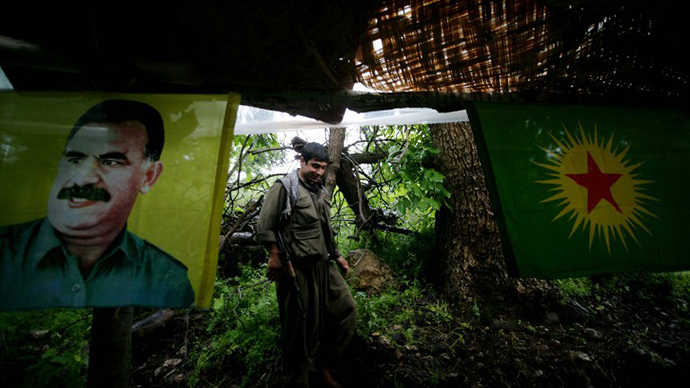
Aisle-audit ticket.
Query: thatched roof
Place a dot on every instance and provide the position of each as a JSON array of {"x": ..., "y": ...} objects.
[
  {"x": 598, "y": 48},
  {"x": 277, "y": 52}
]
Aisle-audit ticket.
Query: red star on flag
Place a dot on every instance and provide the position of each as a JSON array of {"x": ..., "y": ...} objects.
[{"x": 597, "y": 183}]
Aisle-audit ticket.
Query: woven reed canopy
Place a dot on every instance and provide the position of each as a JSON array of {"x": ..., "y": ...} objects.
[
  {"x": 276, "y": 52},
  {"x": 620, "y": 50}
]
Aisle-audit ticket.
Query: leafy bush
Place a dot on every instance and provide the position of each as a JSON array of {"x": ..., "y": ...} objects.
[
  {"x": 243, "y": 328},
  {"x": 411, "y": 256},
  {"x": 58, "y": 370},
  {"x": 44, "y": 348},
  {"x": 417, "y": 189}
]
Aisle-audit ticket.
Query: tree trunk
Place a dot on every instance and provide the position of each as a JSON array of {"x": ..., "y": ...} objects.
[
  {"x": 343, "y": 172},
  {"x": 467, "y": 234},
  {"x": 336, "y": 143},
  {"x": 350, "y": 185}
]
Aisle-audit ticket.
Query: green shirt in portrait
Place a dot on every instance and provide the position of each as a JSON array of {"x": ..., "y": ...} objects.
[{"x": 36, "y": 272}]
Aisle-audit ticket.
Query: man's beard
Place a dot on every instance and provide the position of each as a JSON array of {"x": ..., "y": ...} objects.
[{"x": 88, "y": 192}]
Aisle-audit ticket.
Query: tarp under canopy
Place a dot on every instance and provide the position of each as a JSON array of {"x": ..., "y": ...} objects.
[{"x": 251, "y": 121}]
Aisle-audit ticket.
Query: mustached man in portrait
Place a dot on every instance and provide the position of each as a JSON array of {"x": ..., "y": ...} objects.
[{"x": 81, "y": 254}]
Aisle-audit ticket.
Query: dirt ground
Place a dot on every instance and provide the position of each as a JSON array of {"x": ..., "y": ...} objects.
[{"x": 608, "y": 340}]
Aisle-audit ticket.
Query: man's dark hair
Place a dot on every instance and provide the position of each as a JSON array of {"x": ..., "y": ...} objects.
[
  {"x": 315, "y": 151},
  {"x": 119, "y": 111}
]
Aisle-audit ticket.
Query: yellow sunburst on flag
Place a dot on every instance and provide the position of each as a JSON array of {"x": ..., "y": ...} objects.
[{"x": 596, "y": 187}]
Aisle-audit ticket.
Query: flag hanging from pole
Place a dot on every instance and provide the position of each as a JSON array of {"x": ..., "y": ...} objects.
[{"x": 583, "y": 190}]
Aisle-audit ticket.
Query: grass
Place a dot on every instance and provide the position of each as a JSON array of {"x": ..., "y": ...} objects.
[
  {"x": 400, "y": 315},
  {"x": 574, "y": 287},
  {"x": 671, "y": 286},
  {"x": 44, "y": 348},
  {"x": 242, "y": 330}
]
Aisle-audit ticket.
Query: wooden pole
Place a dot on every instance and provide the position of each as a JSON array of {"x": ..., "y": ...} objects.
[{"x": 110, "y": 354}]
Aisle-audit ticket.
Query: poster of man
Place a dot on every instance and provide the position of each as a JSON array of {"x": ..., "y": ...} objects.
[{"x": 82, "y": 253}]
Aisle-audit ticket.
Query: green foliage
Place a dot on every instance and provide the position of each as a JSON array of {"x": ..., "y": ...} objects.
[
  {"x": 247, "y": 148},
  {"x": 440, "y": 313},
  {"x": 401, "y": 314},
  {"x": 58, "y": 370},
  {"x": 242, "y": 330},
  {"x": 49, "y": 345},
  {"x": 411, "y": 255},
  {"x": 672, "y": 286},
  {"x": 666, "y": 285},
  {"x": 251, "y": 163},
  {"x": 420, "y": 189},
  {"x": 392, "y": 307},
  {"x": 681, "y": 289},
  {"x": 476, "y": 311},
  {"x": 415, "y": 190},
  {"x": 574, "y": 287}
]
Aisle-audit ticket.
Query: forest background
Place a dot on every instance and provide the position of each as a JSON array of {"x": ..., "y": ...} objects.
[{"x": 608, "y": 330}]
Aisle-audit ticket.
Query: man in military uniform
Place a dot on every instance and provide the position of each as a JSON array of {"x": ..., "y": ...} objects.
[
  {"x": 81, "y": 254},
  {"x": 317, "y": 323}
]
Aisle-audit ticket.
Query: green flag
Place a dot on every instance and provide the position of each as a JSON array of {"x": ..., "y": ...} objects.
[{"x": 583, "y": 190}]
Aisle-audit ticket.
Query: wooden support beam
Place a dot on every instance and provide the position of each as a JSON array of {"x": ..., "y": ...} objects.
[{"x": 110, "y": 354}]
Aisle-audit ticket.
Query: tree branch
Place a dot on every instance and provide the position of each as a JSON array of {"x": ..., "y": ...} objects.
[
  {"x": 236, "y": 186},
  {"x": 248, "y": 210},
  {"x": 368, "y": 157}
]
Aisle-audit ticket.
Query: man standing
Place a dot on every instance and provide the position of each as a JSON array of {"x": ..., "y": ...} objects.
[
  {"x": 317, "y": 323},
  {"x": 81, "y": 254}
]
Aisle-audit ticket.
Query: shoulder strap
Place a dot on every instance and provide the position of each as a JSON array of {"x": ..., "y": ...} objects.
[{"x": 291, "y": 184}]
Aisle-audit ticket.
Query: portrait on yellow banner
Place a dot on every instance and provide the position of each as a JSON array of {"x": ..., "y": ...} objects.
[{"x": 111, "y": 199}]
